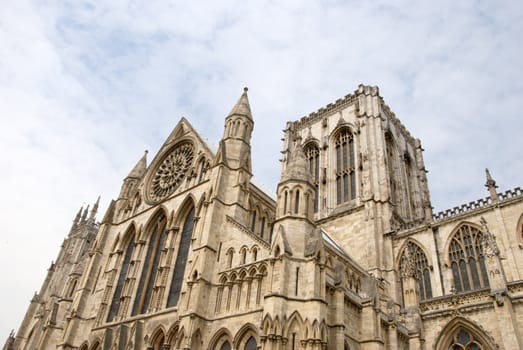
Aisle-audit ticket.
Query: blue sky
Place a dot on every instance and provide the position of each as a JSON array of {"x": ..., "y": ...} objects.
[{"x": 87, "y": 86}]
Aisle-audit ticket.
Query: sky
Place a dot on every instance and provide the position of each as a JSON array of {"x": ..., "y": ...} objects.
[{"x": 87, "y": 86}]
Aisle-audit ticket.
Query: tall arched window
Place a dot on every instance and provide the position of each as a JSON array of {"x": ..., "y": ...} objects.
[
  {"x": 297, "y": 202},
  {"x": 313, "y": 155},
  {"x": 115, "y": 304},
  {"x": 345, "y": 169},
  {"x": 181, "y": 259},
  {"x": 414, "y": 255},
  {"x": 467, "y": 259},
  {"x": 150, "y": 266}
]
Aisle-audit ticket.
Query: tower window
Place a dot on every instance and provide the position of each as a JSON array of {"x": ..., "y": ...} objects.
[
  {"x": 313, "y": 155},
  {"x": 345, "y": 170}
]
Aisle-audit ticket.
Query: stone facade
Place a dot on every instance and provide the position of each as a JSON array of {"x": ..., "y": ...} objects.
[{"x": 193, "y": 255}]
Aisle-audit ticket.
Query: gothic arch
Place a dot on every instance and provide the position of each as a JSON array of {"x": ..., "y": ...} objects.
[
  {"x": 343, "y": 152},
  {"x": 157, "y": 338},
  {"x": 294, "y": 319},
  {"x": 465, "y": 257},
  {"x": 459, "y": 225},
  {"x": 84, "y": 346},
  {"x": 187, "y": 205},
  {"x": 219, "y": 338},
  {"x": 452, "y": 334},
  {"x": 404, "y": 246},
  {"x": 130, "y": 234},
  {"x": 413, "y": 259},
  {"x": 149, "y": 225},
  {"x": 172, "y": 334},
  {"x": 243, "y": 335}
]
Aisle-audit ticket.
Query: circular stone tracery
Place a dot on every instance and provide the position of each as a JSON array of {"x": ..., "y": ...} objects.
[{"x": 171, "y": 172}]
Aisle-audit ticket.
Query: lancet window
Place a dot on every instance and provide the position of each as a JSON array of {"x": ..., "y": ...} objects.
[
  {"x": 115, "y": 304},
  {"x": 150, "y": 266},
  {"x": 181, "y": 259},
  {"x": 312, "y": 153},
  {"x": 467, "y": 259},
  {"x": 345, "y": 168},
  {"x": 413, "y": 263}
]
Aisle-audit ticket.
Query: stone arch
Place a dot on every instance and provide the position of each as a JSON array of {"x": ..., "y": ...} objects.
[
  {"x": 414, "y": 262},
  {"x": 294, "y": 331},
  {"x": 254, "y": 253},
  {"x": 243, "y": 335},
  {"x": 343, "y": 151},
  {"x": 157, "y": 338},
  {"x": 243, "y": 254},
  {"x": 451, "y": 235},
  {"x": 148, "y": 227},
  {"x": 267, "y": 325},
  {"x": 220, "y": 338},
  {"x": 172, "y": 334},
  {"x": 84, "y": 346},
  {"x": 230, "y": 256},
  {"x": 404, "y": 246},
  {"x": 465, "y": 256},
  {"x": 453, "y": 332},
  {"x": 189, "y": 202}
]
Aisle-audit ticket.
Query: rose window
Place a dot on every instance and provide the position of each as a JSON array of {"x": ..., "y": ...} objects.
[{"x": 171, "y": 172}]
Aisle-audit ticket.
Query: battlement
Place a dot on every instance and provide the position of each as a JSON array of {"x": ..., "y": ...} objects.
[{"x": 478, "y": 204}]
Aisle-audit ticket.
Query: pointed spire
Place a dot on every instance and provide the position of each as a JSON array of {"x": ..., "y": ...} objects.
[
  {"x": 242, "y": 107},
  {"x": 84, "y": 215},
  {"x": 94, "y": 210},
  {"x": 140, "y": 167},
  {"x": 76, "y": 220},
  {"x": 491, "y": 185}
]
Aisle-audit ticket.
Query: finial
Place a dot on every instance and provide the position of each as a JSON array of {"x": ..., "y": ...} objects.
[
  {"x": 84, "y": 215},
  {"x": 94, "y": 210},
  {"x": 245, "y": 89},
  {"x": 146, "y": 151},
  {"x": 491, "y": 185}
]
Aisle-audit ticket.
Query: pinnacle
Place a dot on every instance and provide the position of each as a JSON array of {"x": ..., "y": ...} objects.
[
  {"x": 242, "y": 107},
  {"x": 140, "y": 167}
]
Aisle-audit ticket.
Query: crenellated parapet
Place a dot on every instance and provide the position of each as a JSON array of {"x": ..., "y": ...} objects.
[{"x": 478, "y": 204}]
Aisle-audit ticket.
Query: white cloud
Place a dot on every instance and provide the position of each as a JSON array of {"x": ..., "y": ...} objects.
[{"x": 86, "y": 86}]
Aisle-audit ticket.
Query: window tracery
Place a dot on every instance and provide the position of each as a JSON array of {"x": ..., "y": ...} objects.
[
  {"x": 115, "y": 304},
  {"x": 181, "y": 259},
  {"x": 150, "y": 266},
  {"x": 413, "y": 263},
  {"x": 345, "y": 168},
  {"x": 464, "y": 340},
  {"x": 467, "y": 259}
]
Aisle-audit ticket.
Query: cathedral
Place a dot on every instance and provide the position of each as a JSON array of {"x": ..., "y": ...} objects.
[{"x": 348, "y": 254}]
